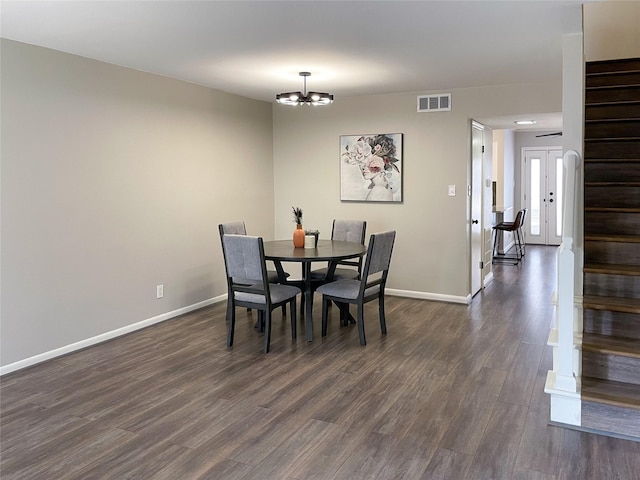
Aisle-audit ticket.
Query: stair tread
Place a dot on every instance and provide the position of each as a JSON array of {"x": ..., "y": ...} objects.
[
  {"x": 613, "y": 238},
  {"x": 611, "y": 160},
  {"x": 615, "y": 304},
  {"x": 611, "y": 72},
  {"x": 613, "y": 87},
  {"x": 612, "y": 269},
  {"x": 611, "y": 184},
  {"x": 611, "y": 120},
  {"x": 612, "y": 102},
  {"x": 610, "y": 392},
  {"x": 612, "y": 209},
  {"x": 610, "y": 139},
  {"x": 622, "y": 346}
]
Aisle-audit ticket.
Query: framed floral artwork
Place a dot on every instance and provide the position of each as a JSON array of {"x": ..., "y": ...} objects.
[{"x": 371, "y": 168}]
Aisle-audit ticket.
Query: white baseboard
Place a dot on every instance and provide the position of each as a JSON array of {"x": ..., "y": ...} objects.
[
  {"x": 27, "y": 362},
  {"x": 428, "y": 296},
  {"x": 487, "y": 279}
]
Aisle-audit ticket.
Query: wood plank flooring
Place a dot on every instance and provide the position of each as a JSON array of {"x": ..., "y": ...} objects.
[{"x": 451, "y": 392}]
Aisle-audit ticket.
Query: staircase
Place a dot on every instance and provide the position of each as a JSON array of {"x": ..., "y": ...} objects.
[{"x": 611, "y": 301}]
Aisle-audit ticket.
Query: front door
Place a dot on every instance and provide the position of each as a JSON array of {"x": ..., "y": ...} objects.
[{"x": 542, "y": 195}]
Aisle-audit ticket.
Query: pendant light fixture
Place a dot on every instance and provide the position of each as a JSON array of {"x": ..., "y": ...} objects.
[{"x": 304, "y": 98}]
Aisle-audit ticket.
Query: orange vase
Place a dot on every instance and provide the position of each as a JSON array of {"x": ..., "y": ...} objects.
[{"x": 298, "y": 237}]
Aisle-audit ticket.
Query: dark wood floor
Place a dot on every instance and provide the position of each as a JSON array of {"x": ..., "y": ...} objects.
[{"x": 453, "y": 391}]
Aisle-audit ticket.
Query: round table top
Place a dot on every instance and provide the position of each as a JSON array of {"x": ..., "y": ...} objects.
[{"x": 283, "y": 250}]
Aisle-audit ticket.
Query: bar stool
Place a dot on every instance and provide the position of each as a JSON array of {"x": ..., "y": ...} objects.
[{"x": 514, "y": 227}]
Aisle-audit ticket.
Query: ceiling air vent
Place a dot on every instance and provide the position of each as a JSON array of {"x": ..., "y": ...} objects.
[{"x": 434, "y": 103}]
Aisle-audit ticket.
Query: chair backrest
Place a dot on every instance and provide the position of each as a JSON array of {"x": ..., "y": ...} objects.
[
  {"x": 524, "y": 217},
  {"x": 244, "y": 257},
  {"x": 517, "y": 223},
  {"x": 232, "y": 228},
  {"x": 378, "y": 257},
  {"x": 349, "y": 230}
]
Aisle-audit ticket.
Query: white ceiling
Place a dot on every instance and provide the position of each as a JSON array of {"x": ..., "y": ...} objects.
[{"x": 256, "y": 48}]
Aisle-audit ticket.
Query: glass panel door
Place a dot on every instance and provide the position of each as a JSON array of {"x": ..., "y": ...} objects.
[{"x": 543, "y": 196}]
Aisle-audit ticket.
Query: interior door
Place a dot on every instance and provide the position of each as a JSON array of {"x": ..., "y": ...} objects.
[
  {"x": 477, "y": 139},
  {"x": 542, "y": 170}
]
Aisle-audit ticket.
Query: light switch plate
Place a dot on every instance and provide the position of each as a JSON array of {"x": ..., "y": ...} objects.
[{"x": 452, "y": 190}]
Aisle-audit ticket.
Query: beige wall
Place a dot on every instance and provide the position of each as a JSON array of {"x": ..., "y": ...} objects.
[
  {"x": 431, "y": 255},
  {"x": 503, "y": 169},
  {"x": 611, "y": 30},
  {"x": 114, "y": 181}
]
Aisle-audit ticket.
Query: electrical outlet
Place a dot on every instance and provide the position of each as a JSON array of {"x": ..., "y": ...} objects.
[{"x": 160, "y": 291}]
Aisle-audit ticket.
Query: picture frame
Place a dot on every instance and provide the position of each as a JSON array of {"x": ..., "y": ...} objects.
[{"x": 371, "y": 168}]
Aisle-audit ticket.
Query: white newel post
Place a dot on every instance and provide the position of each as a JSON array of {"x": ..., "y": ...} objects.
[{"x": 563, "y": 382}]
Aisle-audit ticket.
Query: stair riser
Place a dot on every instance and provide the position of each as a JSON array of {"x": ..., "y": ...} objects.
[
  {"x": 612, "y": 419},
  {"x": 608, "y": 66},
  {"x": 611, "y": 367},
  {"x": 613, "y": 94},
  {"x": 613, "y": 111},
  {"x": 611, "y": 223},
  {"x": 617, "y": 324},
  {"x": 608, "y": 196},
  {"x": 612, "y": 171},
  {"x": 623, "y": 286},
  {"x": 612, "y": 129},
  {"x": 625, "y": 78},
  {"x": 616, "y": 253},
  {"x": 612, "y": 150}
]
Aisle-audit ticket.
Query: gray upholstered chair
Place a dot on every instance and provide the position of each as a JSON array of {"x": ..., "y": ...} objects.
[
  {"x": 370, "y": 286},
  {"x": 244, "y": 259},
  {"x": 345, "y": 231},
  {"x": 238, "y": 228}
]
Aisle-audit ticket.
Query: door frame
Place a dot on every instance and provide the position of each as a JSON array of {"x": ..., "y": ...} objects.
[{"x": 476, "y": 217}]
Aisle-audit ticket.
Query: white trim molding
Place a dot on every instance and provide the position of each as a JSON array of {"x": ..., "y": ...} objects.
[
  {"x": 58, "y": 352},
  {"x": 439, "y": 297}
]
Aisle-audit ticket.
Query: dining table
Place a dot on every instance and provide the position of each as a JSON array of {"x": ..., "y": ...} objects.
[{"x": 331, "y": 251}]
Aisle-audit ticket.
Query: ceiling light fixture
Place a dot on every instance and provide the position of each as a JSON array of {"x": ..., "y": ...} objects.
[
  {"x": 304, "y": 98},
  {"x": 525, "y": 122}
]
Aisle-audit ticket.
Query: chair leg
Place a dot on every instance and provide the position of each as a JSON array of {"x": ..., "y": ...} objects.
[
  {"x": 267, "y": 331},
  {"x": 363, "y": 340},
  {"x": 325, "y": 314},
  {"x": 260, "y": 322},
  {"x": 344, "y": 314},
  {"x": 232, "y": 324},
  {"x": 229, "y": 300},
  {"x": 294, "y": 321},
  {"x": 521, "y": 240},
  {"x": 383, "y": 320}
]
